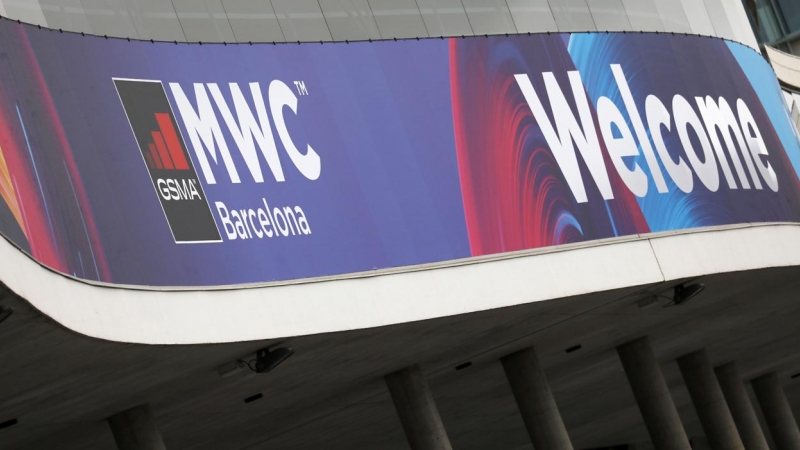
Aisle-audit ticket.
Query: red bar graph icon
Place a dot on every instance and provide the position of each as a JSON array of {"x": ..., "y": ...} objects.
[
  {"x": 161, "y": 148},
  {"x": 165, "y": 151},
  {"x": 152, "y": 155}
]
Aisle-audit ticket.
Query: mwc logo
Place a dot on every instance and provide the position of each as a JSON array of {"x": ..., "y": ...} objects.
[
  {"x": 174, "y": 177},
  {"x": 251, "y": 130},
  {"x": 167, "y": 160}
]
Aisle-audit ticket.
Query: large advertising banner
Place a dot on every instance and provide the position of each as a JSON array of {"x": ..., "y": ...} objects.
[{"x": 159, "y": 164}]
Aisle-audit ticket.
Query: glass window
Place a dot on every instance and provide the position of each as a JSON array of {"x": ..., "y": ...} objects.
[
  {"x": 765, "y": 19},
  {"x": 768, "y": 25},
  {"x": 790, "y": 9}
]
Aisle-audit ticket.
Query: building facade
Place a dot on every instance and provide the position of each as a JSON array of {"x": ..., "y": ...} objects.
[{"x": 425, "y": 224}]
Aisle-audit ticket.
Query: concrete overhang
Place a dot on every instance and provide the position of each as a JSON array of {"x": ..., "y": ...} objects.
[
  {"x": 380, "y": 298},
  {"x": 331, "y": 394},
  {"x": 787, "y": 67}
]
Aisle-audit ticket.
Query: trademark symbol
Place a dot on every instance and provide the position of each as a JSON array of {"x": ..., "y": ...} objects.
[{"x": 301, "y": 87}]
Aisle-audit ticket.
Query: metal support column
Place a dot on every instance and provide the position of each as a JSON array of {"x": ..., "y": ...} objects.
[
  {"x": 652, "y": 395},
  {"x": 715, "y": 417},
  {"x": 730, "y": 381},
  {"x": 418, "y": 414},
  {"x": 535, "y": 401},
  {"x": 135, "y": 429},
  {"x": 777, "y": 412}
]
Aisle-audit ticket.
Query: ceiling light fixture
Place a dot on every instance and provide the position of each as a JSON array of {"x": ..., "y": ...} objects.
[
  {"x": 267, "y": 360},
  {"x": 463, "y": 365},
  {"x": 253, "y": 398},
  {"x": 684, "y": 293},
  {"x": 8, "y": 423}
]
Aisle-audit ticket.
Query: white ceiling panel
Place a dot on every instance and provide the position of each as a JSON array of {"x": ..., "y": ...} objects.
[
  {"x": 204, "y": 20},
  {"x": 155, "y": 19},
  {"x": 301, "y": 20},
  {"x": 489, "y": 16},
  {"x": 609, "y": 15},
  {"x": 65, "y": 15},
  {"x": 253, "y": 21},
  {"x": 398, "y": 18},
  {"x": 643, "y": 15},
  {"x": 109, "y": 17},
  {"x": 445, "y": 17},
  {"x": 532, "y": 16},
  {"x": 572, "y": 15},
  {"x": 349, "y": 20}
]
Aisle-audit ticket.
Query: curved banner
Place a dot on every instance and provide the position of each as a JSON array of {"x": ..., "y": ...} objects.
[{"x": 158, "y": 164}]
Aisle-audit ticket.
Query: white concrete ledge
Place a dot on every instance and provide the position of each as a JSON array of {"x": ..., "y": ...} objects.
[
  {"x": 404, "y": 295},
  {"x": 786, "y": 66}
]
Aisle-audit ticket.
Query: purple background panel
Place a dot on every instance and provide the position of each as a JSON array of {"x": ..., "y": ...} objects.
[{"x": 428, "y": 149}]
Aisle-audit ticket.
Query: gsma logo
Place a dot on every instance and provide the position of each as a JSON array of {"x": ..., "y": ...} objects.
[{"x": 167, "y": 160}]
